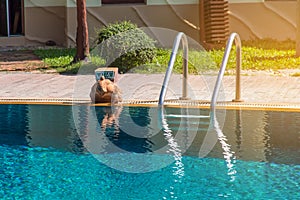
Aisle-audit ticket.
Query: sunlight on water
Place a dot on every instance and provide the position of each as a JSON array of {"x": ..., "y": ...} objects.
[
  {"x": 34, "y": 172},
  {"x": 227, "y": 153}
]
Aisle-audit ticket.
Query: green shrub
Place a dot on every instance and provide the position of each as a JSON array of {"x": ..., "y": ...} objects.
[{"x": 125, "y": 46}]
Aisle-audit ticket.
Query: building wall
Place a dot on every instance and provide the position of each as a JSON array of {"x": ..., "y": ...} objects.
[
  {"x": 272, "y": 19},
  {"x": 56, "y": 20},
  {"x": 45, "y": 23},
  {"x": 176, "y": 17}
]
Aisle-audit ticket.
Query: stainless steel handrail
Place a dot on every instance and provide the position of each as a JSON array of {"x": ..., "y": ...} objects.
[
  {"x": 180, "y": 37},
  {"x": 236, "y": 38},
  {"x": 7, "y": 18}
]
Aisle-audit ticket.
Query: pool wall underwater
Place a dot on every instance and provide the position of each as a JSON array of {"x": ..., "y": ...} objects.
[{"x": 83, "y": 151}]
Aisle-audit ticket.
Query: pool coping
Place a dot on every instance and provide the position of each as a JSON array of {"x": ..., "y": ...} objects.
[{"x": 289, "y": 107}]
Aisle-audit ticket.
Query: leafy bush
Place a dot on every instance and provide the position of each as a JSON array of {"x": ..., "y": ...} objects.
[{"x": 125, "y": 46}]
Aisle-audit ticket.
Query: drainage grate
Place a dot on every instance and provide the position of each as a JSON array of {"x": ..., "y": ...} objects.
[
  {"x": 168, "y": 103},
  {"x": 11, "y": 100},
  {"x": 226, "y": 105}
]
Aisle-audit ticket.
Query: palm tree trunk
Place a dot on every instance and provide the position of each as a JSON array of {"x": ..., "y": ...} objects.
[{"x": 82, "y": 35}]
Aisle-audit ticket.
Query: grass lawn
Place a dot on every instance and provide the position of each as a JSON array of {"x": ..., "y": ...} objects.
[{"x": 264, "y": 54}]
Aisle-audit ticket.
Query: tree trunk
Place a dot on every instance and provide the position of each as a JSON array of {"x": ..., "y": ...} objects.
[
  {"x": 298, "y": 29},
  {"x": 82, "y": 35}
]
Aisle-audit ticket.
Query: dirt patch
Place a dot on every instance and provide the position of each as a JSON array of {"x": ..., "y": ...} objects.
[{"x": 21, "y": 60}]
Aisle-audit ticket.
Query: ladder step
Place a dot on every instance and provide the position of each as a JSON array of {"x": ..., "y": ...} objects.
[
  {"x": 175, "y": 129},
  {"x": 197, "y": 123},
  {"x": 188, "y": 116}
]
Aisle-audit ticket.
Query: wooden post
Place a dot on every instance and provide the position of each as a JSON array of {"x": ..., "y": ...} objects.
[{"x": 201, "y": 21}]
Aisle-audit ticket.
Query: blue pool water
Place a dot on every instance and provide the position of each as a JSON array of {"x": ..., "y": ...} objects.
[{"x": 46, "y": 155}]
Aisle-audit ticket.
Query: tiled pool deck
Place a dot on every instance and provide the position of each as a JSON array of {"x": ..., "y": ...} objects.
[{"x": 254, "y": 88}]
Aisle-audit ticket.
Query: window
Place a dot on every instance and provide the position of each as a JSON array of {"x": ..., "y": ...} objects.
[
  {"x": 11, "y": 17},
  {"x": 122, "y": 1}
]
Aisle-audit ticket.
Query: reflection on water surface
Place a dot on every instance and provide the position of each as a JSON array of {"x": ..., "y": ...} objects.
[{"x": 252, "y": 135}]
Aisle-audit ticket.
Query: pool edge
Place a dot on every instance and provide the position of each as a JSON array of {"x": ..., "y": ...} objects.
[{"x": 289, "y": 107}]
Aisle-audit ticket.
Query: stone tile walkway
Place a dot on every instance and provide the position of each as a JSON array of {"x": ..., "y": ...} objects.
[{"x": 255, "y": 89}]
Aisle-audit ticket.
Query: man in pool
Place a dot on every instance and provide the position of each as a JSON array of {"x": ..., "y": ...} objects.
[{"x": 105, "y": 91}]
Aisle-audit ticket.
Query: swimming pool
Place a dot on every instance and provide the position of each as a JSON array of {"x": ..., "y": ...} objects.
[{"x": 87, "y": 152}]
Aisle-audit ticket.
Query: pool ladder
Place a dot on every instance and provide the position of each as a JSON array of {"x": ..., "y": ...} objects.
[
  {"x": 234, "y": 37},
  {"x": 213, "y": 124}
]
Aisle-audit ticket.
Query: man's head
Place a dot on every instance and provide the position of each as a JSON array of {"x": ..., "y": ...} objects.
[
  {"x": 106, "y": 85},
  {"x": 105, "y": 91}
]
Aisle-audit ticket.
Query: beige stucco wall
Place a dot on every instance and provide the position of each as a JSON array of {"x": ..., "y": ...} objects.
[
  {"x": 46, "y": 20},
  {"x": 46, "y": 23},
  {"x": 56, "y": 20},
  {"x": 176, "y": 17},
  {"x": 43, "y": 21},
  {"x": 275, "y": 20}
]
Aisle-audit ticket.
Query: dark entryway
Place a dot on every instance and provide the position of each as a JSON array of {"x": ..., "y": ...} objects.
[{"x": 11, "y": 17}]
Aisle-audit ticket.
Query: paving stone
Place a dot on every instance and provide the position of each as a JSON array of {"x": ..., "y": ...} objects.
[{"x": 268, "y": 89}]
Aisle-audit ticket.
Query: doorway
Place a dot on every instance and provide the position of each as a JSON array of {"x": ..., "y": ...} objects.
[{"x": 11, "y": 18}]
